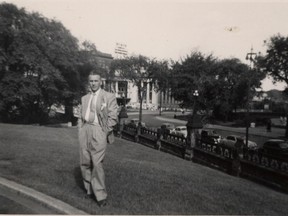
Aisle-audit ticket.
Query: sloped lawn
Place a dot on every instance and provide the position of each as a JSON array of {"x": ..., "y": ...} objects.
[{"x": 140, "y": 180}]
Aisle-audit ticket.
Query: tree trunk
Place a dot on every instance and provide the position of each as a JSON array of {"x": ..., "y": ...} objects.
[
  {"x": 286, "y": 132},
  {"x": 140, "y": 111},
  {"x": 68, "y": 110},
  {"x": 160, "y": 108}
]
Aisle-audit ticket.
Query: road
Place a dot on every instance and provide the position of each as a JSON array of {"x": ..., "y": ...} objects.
[{"x": 153, "y": 120}]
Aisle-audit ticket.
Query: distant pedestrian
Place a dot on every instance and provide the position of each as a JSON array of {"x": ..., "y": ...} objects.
[
  {"x": 98, "y": 115},
  {"x": 269, "y": 124},
  {"x": 281, "y": 120}
]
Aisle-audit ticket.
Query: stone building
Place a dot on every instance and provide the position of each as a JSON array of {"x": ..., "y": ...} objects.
[{"x": 125, "y": 88}]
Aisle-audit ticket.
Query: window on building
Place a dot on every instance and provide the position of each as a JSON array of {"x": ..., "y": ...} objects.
[{"x": 122, "y": 88}]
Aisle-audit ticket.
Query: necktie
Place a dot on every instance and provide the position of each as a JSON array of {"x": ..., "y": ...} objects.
[{"x": 92, "y": 109}]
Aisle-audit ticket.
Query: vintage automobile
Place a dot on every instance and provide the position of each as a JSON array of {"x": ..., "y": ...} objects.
[
  {"x": 276, "y": 147},
  {"x": 231, "y": 140},
  {"x": 180, "y": 131},
  {"x": 210, "y": 136},
  {"x": 134, "y": 123},
  {"x": 167, "y": 128}
]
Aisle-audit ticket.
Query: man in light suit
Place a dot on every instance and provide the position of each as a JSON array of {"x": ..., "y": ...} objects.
[{"x": 98, "y": 115}]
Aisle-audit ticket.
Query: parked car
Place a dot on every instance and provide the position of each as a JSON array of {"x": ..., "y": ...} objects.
[
  {"x": 232, "y": 139},
  {"x": 167, "y": 127},
  {"x": 276, "y": 147},
  {"x": 134, "y": 123},
  {"x": 180, "y": 131},
  {"x": 210, "y": 136}
]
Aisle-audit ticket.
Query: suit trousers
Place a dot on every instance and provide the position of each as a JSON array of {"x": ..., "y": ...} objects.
[{"x": 93, "y": 143}]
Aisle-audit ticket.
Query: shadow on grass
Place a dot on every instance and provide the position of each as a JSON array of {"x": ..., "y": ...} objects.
[{"x": 78, "y": 178}]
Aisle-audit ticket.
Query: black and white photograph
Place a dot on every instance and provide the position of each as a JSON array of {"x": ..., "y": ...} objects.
[{"x": 143, "y": 107}]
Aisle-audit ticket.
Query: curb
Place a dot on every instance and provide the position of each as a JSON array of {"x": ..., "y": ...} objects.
[
  {"x": 42, "y": 198},
  {"x": 171, "y": 120}
]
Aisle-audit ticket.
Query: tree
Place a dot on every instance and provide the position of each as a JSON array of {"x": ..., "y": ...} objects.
[
  {"x": 220, "y": 83},
  {"x": 196, "y": 72},
  {"x": 233, "y": 77},
  {"x": 88, "y": 61},
  {"x": 26, "y": 71},
  {"x": 39, "y": 58},
  {"x": 275, "y": 61},
  {"x": 133, "y": 68}
]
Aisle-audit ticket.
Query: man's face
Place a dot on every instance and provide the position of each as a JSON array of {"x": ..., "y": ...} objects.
[{"x": 94, "y": 82}]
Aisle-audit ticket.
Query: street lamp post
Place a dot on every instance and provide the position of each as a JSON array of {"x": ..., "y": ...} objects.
[
  {"x": 195, "y": 95},
  {"x": 160, "y": 107},
  {"x": 251, "y": 58},
  {"x": 194, "y": 123},
  {"x": 122, "y": 114}
]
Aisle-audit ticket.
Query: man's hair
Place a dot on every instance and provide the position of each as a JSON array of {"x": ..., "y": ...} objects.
[{"x": 95, "y": 72}]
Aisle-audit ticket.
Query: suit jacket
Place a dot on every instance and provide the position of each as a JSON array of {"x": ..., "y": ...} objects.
[{"x": 106, "y": 109}]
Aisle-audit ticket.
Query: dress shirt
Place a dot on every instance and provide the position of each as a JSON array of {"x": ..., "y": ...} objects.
[{"x": 88, "y": 108}]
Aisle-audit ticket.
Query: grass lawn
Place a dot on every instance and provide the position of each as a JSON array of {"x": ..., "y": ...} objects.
[{"x": 140, "y": 180}]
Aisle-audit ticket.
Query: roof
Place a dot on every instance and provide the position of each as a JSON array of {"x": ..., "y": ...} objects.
[
  {"x": 181, "y": 126},
  {"x": 166, "y": 123},
  {"x": 104, "y": 55}
]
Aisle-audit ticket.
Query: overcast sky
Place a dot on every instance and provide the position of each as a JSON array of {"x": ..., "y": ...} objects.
[{"x": 170, "y": 29}]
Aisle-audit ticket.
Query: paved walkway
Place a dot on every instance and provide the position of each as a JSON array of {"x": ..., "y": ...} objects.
[
  {"x": 16, "y": 199},
  {"x": 9, "y": 206}
]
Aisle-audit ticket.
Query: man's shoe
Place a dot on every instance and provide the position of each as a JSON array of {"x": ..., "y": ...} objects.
[
  {"x": 89, "y": 196},
  {"x": 102, "y": 203}
]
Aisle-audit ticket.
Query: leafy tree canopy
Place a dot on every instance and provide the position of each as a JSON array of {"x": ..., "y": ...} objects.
[
  {"x": 39, "y": 62},
  {"x": 194, "y": 73},
  {"x": 160, "y": 74},
  {"x": 275, "y": 61},
  {"x": 234, "y": 80},
  {"x": 222, "y": 84},
  {"x": 133, "y": 68}
]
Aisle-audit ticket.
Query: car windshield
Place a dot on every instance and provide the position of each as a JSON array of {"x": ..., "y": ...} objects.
[
  {"x": 283, "y": 145},
  {"x": 168, "y": 125}
]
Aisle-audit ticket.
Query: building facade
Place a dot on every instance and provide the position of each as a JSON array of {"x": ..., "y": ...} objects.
[
  {"x": 151, "y": 98},
  {"x": 125, "y": 88}
]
